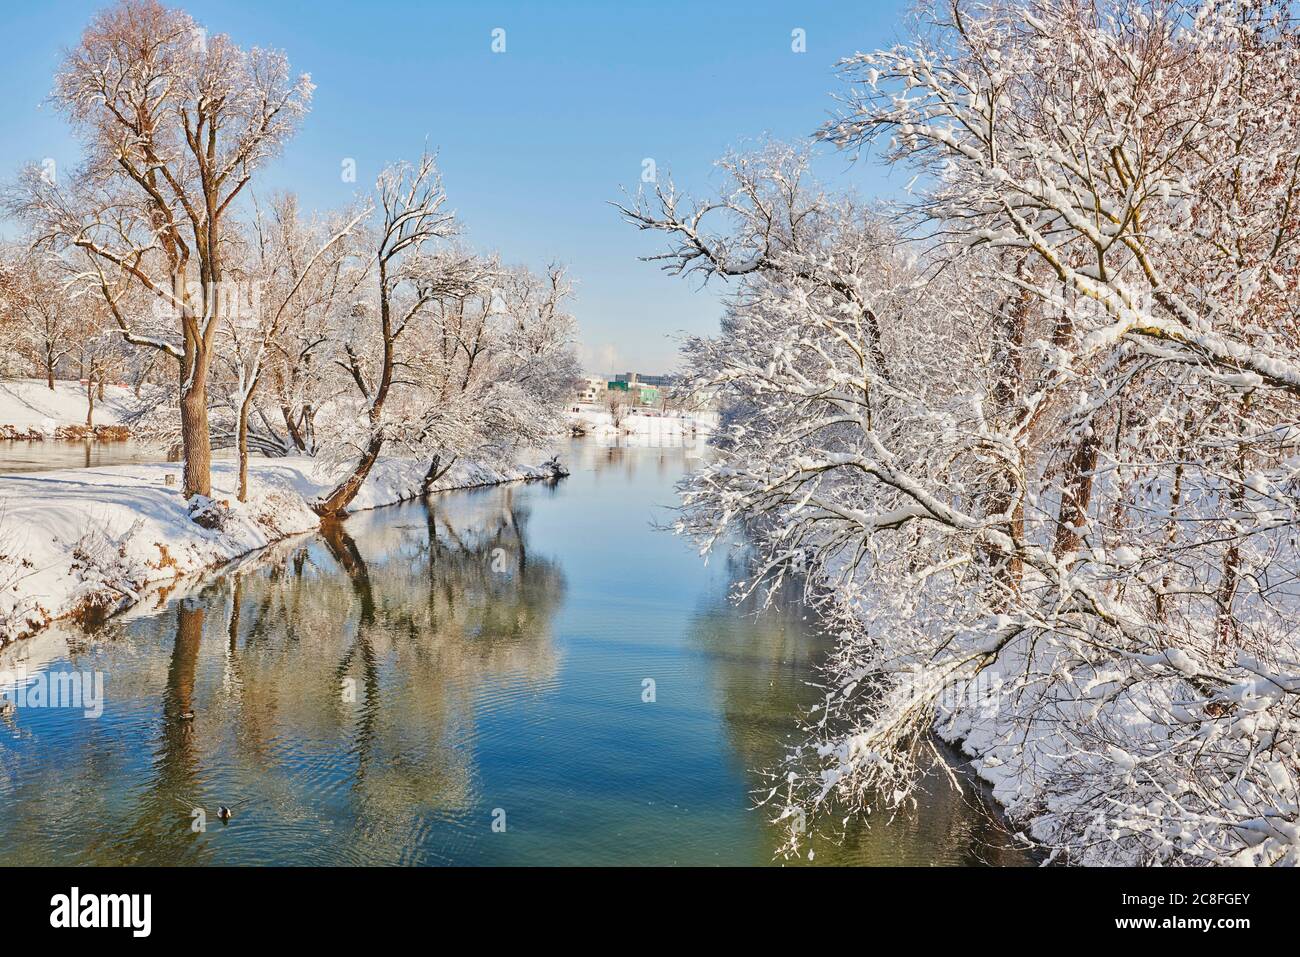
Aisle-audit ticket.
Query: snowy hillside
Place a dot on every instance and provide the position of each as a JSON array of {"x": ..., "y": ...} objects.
[{"x": 28, "y": 409}]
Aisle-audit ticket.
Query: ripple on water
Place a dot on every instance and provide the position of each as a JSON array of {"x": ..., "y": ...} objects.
[{"x": 474, "y": 693}]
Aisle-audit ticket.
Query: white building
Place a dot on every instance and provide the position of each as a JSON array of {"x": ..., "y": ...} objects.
[{"x": 590, "y": 390}]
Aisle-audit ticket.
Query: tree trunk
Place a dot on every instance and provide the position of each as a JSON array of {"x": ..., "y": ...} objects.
[
  {"x": 287, "y": 414},
  {"x": 335, "y": 504},
  {"x": 1175, "y": 503},
  {"x": 1076, "y": 492},
  {"x": 49, "y": 371},
  {"x": 90, "y": 402},
  {"x": 243, "y": 446},
  {"x": 1076, "y": 485},
  {"x": 1225, "y": 631},
  {"x": 431, "y": 475},
  {"x": 308, "y": 428},
  {"x": 196, "y": 442},
  {"x": 436, "y": 471},
  {"x": 1008, "y": 344}
]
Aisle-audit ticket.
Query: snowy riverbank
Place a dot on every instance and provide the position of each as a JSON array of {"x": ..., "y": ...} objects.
[
  {"x": 29, "y": 409},
  {"x": 1074, "y": 756},
  {"x": 1033, "y": 742},
  {"x": 82, "y": 539},
  {"x": 656, "y": 426}
]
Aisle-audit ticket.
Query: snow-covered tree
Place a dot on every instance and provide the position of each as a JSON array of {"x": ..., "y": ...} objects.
[
  {"x": 98, "y": 349},
  {"x": 175, "y": 123},
  {"x": 1032, "y": 448},
  {"x": 300, "y": 273},
  {"x": 410, "y": 272},
  {"x": 496, "y": 364},
  {"x": 37, "y": 306},
  {"x": 453, "y": 355}
]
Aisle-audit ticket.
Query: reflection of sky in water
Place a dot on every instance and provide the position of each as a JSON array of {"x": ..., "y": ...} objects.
[{"x": 496, "y": 641}]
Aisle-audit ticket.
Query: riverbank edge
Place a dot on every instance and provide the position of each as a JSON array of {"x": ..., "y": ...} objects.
[
  {"x": 66, "y": 433},
  {"x": 1014, "y": 770},
  {"x": 33, "y": 410},
  {"x": 1010, "y": 767},
  {"x": 126, "y": 550}
]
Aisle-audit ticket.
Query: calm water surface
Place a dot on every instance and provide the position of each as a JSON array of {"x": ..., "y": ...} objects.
[
  {"x": 496, "y": 643},
  {"x": 23, "y": 456}
]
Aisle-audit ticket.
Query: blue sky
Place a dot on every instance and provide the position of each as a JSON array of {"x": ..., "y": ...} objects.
[{"x": 533, "y": 142}]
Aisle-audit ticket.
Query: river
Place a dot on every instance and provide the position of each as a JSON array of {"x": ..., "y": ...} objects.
[
  {"x": 47, "y": 454},
  {"x": 458, "y": 681}
]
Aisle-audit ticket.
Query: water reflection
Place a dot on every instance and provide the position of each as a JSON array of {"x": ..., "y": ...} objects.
[
  {"x": 374, "y": 693},
  {"x": 327, "y": 695},
  {"x": 764, "y": 663},
  {"x": 43, "y": 455}
]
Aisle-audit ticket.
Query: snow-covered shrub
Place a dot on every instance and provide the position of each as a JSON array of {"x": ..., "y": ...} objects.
[
  {"x": 209, "y": 513},
  {"x": 107, "y": 566},
  {"x": 555, "y": 467},
  {"x": 16, "y": 608}
]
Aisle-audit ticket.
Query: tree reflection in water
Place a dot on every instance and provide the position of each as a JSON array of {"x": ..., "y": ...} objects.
[
  {"x": 329, "y": 692},
  {"x": 761, "y": 661},
  {"x": 369, "y": 694}
]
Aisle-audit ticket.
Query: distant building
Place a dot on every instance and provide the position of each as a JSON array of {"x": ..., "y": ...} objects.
[
  {"x": 591, "y": 390},
  {"x": 643, "y": 389},
  {"x": 638, "y": 393},
  {"x": 639, "y": 378}
]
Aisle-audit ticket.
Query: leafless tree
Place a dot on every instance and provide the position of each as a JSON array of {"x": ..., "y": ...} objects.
[
  {"x": 34, "y": 287},
  {"x": 296, "y": 269},
  {"x": 175, "y": 124},
  {"x": 409, "y": 276}
]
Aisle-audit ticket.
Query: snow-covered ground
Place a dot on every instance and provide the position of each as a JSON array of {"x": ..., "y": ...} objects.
[
  {"x": 592, "y": 420},
  {"x": 28, "y": 409},
  {"x": 81, "y": 538}
]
